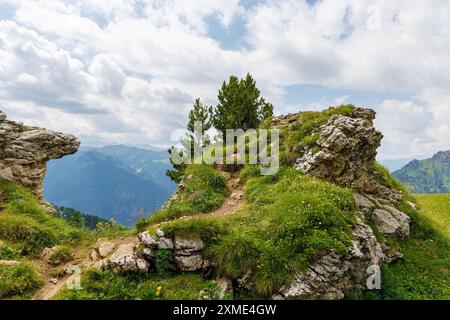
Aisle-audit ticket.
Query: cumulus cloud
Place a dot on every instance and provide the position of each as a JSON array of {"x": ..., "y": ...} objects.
[{"x": 121, "y": 71}]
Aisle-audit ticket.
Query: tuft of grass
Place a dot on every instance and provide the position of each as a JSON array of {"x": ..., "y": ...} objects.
[
  {"x": 8, "y": 253},
  {"x": 204, "y": 191},
  {"x": 61, "y": 255},
  {"x": 99, "y": 285},
  {"x": 290, "y": 220},
  {"x": 206, "y": 228},
  {"x": 18, "y": 281}
]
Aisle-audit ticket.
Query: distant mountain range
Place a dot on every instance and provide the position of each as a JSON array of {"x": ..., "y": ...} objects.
[
  {"x": 114, "y": 182},
  {"x": 427, "y": 176}
]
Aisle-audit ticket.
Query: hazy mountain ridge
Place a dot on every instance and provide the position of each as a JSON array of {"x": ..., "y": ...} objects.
[
  {"x": 427, "y": 176},
  {"x": 94, "y": 182}
]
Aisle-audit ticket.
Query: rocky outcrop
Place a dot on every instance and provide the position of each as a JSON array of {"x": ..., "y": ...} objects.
[
  {"x": 25, "y": 150},
  {"x": 345, "y": 154},
  {"x": 139, "y": 254},
  {"x": 387, "y": 219},
  {"x": 331, "y": 276}
]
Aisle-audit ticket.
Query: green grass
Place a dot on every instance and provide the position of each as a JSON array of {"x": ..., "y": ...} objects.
[
  {"x": 8, "y": 253},
  {"x": 61, "y": 255},
  {"x": 436, "y": 207},
  {"x": 18, "y": 281},
  {"x": 205, "y": 190},
  {"x": 25, "y": 223},
  {"x": 206, "y": 228},
  {"x": 98, "y": 285}
]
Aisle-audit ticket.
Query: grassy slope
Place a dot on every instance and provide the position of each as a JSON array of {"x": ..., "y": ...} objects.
[
  {"x": 436, "y": 207},
  {"x": 424, "y": 271},
  {"x": 25, "y": 230},
  {"x": 289, "y": 219}
]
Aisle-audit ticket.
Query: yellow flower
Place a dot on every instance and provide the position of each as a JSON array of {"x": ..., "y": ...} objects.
[{"x": 158, "y": 291}]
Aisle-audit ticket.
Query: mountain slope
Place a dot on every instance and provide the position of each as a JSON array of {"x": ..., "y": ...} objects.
[
  {"x": 427, "y": 176},
  {"x": 101, "y": 185},
  {"x": 149, "y": 164}
]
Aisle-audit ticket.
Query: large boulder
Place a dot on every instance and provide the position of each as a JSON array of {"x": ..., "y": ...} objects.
[
  {"x": 387, "y": 219},
  {"x": 25, "y": 150}
]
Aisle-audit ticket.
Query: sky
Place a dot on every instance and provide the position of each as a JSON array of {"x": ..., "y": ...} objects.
[{"x": 127, "y": 72}]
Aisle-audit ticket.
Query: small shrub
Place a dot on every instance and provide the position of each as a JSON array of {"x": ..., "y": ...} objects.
[
  {"x": 164, "y": 261},
  {"x": 61, "y": 255},
  {"x": 57, "y": 272}
]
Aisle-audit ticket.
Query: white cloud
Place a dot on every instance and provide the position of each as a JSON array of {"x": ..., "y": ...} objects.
[{"x": 127, "y": 71}]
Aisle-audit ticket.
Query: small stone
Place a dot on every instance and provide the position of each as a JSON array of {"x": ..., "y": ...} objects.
[
  {"x": 94, "y": 255},
  {"x": 105, "y": 249},
  {"x": 189, "y": 263},
  {"x": 165, "y": 243},
  {"x": 225, "y": 286},
  {"x": 54, "y": 281},
  {"x": 142, "y": 265},
  {"x": 148, "y": 253},
  {"x": 385, "y": 222},
  {"x": 147, "y": 240},
  {"x": 101, "y": 264},
  {"x": 160, "y": 233},
  {"x": 186, "y": 246},
  {"x": 124, "y": 259}
]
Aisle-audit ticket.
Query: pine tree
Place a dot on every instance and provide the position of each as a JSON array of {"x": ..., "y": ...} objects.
[
  {"x": 199, "y": 115},
  {"x": 240, "y": 105}
]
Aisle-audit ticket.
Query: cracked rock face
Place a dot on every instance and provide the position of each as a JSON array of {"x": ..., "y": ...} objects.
[
  {"x": 25, "y": 150},
  {"x": 348, "y": 148}
]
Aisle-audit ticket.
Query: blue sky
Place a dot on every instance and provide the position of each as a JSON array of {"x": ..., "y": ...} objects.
[{"x": 121, "y": 71}]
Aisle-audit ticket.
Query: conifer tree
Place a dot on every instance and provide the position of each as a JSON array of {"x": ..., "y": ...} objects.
[{"x": 240, "y": 105}]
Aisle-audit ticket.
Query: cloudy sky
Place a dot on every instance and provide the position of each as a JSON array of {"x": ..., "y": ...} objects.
[{"x": 127, "y": 71}]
